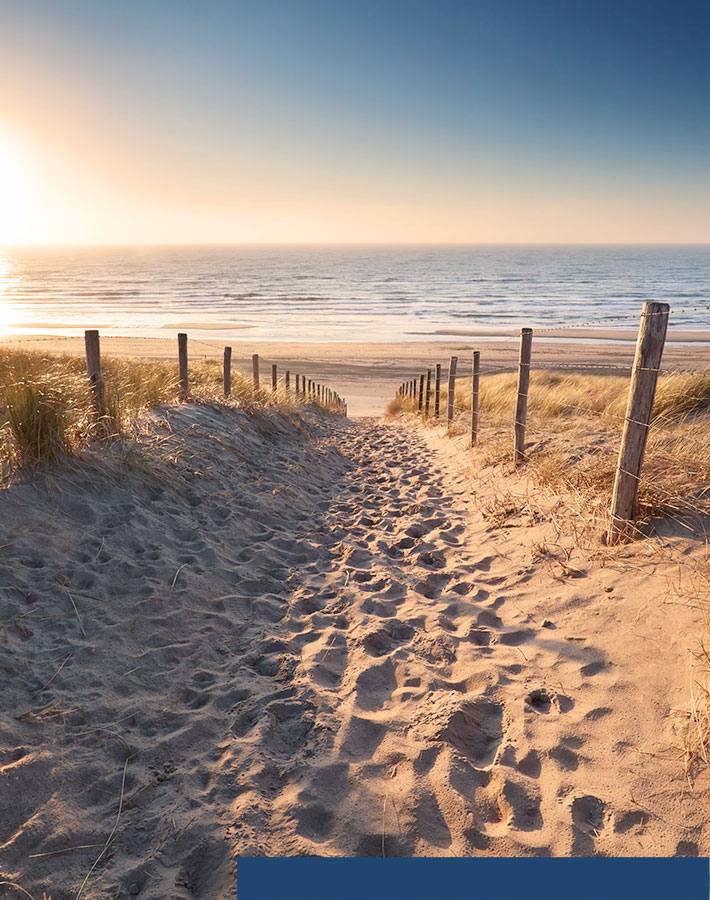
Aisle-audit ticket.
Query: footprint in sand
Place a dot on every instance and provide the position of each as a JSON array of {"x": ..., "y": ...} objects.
[
  {"x": 475, "y": 730},
  {"x": 588, "y": 818}
]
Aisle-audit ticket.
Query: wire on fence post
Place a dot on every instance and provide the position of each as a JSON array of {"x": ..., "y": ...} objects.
[
  {"x": 474, "y": 396},
  {"x": 642, "y": 392},
  {"x": 437, "y": 390},
  {"x": 227, "y": 371},
  {"x": 94, "y": 373},
  {"x": 452, "y": 389},
  {"x": 182, "y": 365},
  {"x": 521, "y": 406}
]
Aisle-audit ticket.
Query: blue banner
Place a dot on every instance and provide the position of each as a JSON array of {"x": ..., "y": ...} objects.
[{"x": 596, "y": 878}]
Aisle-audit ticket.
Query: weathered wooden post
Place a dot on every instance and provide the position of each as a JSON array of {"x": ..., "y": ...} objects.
[
  {"x": 298, "y": 384},
  {"x": 428, "y": 393},
  {"x": 521, "y": 406},
  {"x": 182, "y": 366},
  {"x": 452, "y": 390},
  {"x": 274, "y": 378},
  {"x": 94, "y": 373},
  {"x": 642, "y": 392},
  {"x": 227, "y": 371},
  {"x": 437, "y": 390},
  {"x": 421, "y": 393},
  {"x": 255, "y": 370},
  {"x": 287, "y": 381},
  {"x": 475, "y": 377}
]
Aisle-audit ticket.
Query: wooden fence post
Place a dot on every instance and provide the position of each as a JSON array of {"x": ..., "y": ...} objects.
[
  {"x": 452, "y": 390},
  {"x": 274, "y": 378},
  {"x": 421, "y": 393},
  {"x": 521, "y": 406},
  {"x": 475, "y": 377},
  {"x": 287, "y": 381},
  {"x": 227, "y": 371},
  {"x": 642, "y": 392},
  {"x": 437, "y": 390},
  {"x": 255, "y": 370},
  {"x": 94, "y": 373},
  {"x": 182, "y": 365},
  {"x": 428, "y": 393}
]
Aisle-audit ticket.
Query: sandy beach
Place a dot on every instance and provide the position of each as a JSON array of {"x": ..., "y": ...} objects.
[
  {"x": 256, "y": 634},
  {"x": 368, "y": 374},
  {"x": 428, "y": 578}
]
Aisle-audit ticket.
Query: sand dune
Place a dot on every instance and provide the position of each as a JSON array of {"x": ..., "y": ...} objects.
[{"x": 254, "y": 635}]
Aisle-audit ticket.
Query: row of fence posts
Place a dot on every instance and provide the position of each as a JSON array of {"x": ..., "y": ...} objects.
[
  {"x": 304, "y": 388},
  {"x": 637, "y": 421}
]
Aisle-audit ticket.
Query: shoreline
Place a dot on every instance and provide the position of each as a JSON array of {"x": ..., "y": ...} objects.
[{"x": 211, "y": 332}]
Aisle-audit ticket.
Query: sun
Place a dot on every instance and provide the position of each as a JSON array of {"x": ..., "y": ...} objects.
[{"x": 13, "y": 214}]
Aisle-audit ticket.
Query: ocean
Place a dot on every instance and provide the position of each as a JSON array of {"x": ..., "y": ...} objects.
[{"x": 345, "y": 293}]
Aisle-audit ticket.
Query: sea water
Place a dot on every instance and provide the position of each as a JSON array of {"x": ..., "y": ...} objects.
[{"x": 345, "y": 293}]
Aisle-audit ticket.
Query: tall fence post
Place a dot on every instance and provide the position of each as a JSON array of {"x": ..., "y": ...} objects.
[
  {"x": 94, "y": 373},
  {"x": 475, "y": 378},
  {"x": 227, "y": 371},
  {"x": 421, "y": 393},
  {"x": 182, "y": 365},
  {"x": 437, "y": 390},
  {"x": 255, "y": 370},
  {"x": 452, "y": 389},
  {"x": 287, "y": 381},
  {"x": 521, "y": 405},
  {"x": 298, "y": 384},
  {"x": 428, "y": 393},
  {"x": 642, "y": 392},
  {"x": 274, "y": 378}
]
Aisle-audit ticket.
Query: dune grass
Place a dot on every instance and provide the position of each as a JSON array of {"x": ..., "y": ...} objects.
[
  {"x": 45, "y": 404},
  {"x": 553, "y": 394},
  {"x": 574, "y": 428}
]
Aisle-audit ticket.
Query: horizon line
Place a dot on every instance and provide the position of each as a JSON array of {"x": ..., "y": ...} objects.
[{"x": 152, "y": 244}]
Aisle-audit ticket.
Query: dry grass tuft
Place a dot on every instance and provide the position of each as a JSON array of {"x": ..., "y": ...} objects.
[{"x": 36, "y": 413}]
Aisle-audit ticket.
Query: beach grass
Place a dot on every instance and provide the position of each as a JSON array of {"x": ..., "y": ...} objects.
[
  {"x": 45, "y": 403},
  {"x": 574, "y": 428}
]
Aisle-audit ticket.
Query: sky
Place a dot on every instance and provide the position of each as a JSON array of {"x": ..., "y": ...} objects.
[{"x": 484, "y": 121}]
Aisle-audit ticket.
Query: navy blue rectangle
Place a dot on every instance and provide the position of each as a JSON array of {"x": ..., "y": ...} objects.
[{"x": 313, "y": 878}]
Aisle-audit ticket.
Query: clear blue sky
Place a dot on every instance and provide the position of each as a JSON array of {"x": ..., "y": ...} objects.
[{"x": 390, "y": 120}]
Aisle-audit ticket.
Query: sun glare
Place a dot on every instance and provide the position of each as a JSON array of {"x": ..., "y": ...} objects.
[{"x": 13, "y": 219}]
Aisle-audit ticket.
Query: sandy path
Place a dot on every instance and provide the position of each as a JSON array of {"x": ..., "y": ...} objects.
[{"x": 316, "y": 643}]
